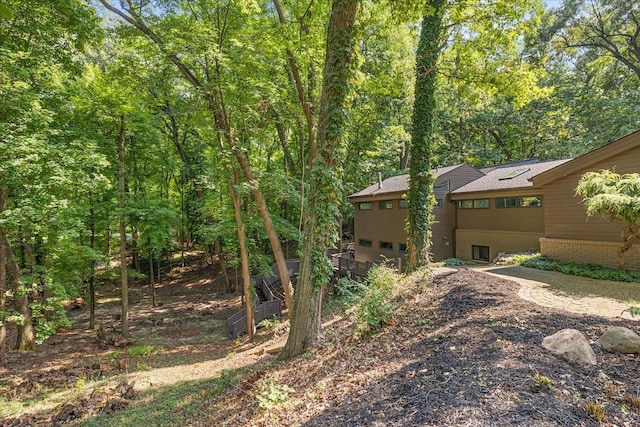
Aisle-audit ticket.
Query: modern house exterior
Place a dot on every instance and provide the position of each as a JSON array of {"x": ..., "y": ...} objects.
[{"x": 521, "y": 206}]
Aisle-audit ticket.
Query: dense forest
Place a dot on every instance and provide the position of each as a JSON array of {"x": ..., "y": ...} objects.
[{"x": 241, "y": 126}]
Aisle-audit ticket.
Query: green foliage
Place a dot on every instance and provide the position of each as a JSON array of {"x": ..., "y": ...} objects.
[
  {"x": 143, "y": 350},
  {"x": 592, "y": 271},
  {"x": 456, "y": 262},
  {"x": 375, "y": 308},
  {"x": 271, "y": 394},
  {"x": 269, "y": 323},
  {"x": 611, "y": 194}
]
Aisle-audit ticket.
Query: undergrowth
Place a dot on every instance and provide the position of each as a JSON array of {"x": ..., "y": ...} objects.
[{"x": 592, "y": 271}]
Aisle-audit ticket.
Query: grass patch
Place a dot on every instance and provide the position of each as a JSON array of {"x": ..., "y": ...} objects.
[
  {"x": 143, "y": 350},
  {"x": 592, "y": 271},
  {"x": 169, "y": 406}
]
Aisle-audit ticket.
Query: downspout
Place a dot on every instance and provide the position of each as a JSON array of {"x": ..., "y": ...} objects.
[{"x": 455, "y": 225}]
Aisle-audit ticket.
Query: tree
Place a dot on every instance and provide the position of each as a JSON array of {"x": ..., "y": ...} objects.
[
  {"x": 617, "y": 197},
  {"x": 208, "y": 82},
  {"x": 322, "y": 213},
  {"x": 420, "y": 194}
]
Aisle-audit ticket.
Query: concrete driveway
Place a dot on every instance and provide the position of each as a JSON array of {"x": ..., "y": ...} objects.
[{"x": 571, "y": 293}]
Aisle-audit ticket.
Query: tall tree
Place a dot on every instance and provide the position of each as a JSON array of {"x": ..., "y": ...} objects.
[
  {"x": 321, "y": 215},
  {"x": 420, "y": 195}
]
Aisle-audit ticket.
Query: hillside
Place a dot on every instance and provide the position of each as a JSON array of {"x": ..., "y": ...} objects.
[{"x": 461, "y": 349}]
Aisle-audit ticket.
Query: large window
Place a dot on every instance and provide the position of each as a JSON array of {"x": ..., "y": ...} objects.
[
  {"x": 480, "y": 253},
  {"x": 519, "y": 202},
  {"x": 474, "y": 204},
  {"x": 385, "y": 204},
  {"x": 365, "y": 243},
  {"x": 365, "y": 206}
]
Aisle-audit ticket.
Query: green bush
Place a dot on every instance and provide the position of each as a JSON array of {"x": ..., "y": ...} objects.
[
  {"x": 592, "y": 271},
  {"x": 375, "y": 307}
]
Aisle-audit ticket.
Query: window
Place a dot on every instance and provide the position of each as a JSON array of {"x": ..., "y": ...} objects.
[
  {"x": 481, "y": 204},
  {"x": 402, "y": 204},
  {"x": 442, "y": 186},
  {"x": 514, "y": 174},
  {"x": 474, "y": 204},
  {"x": 402, "y": 247},
  {"x": 480, "y": 253},
  {"x": 386, "y": 245},
  {"x": 439, "y": 203},
  {"x": 519, "y": 202},
  {"x": 386, "y": 204},
  {"x": 365, "y": 243},
  {"x": 365, "y": 206}
]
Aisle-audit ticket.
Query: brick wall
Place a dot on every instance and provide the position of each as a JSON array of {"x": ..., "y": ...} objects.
[
  {"x": 587, "y": 251},
  {"x": 497, "y": 241}
]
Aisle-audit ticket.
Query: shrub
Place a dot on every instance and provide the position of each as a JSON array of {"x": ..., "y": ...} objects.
[
  {"x": 272, "y": 394},
  {"x": 375, "y": 307},
  {"x": 592, "y": 271}
]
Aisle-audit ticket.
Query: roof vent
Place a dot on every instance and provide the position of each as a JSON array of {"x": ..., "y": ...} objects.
[{"x": 514, "y": 174}]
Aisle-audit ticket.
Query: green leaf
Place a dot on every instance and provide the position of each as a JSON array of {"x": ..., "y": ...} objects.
[{"x": 5, "y": 12}]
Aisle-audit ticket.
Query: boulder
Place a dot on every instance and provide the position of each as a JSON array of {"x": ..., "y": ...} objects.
[
  {"x": 570, "y": 344},
  {"x": 619, "y": 340}
]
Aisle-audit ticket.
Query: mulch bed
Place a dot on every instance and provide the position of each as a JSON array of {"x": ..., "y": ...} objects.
[{"x": 464, "y": 351}]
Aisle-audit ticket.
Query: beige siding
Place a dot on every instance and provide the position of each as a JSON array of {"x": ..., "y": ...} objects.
[
  {"x": 388, "y": 225},
  {"x": 497, "y": 241},
  {"x": 503, "y": 219},
  {"x": 565, "y": 215}
]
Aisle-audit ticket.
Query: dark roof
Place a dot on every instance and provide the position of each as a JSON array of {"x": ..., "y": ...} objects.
[
  {"x": 398, "y": 183},
  {"x": 489, "y": 168},
  {"x": 516, "y": 175}
]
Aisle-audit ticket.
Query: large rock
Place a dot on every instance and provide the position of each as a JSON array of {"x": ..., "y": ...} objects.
[
  {"x": 619, "y": 340},
  {"x": 570, "y": 344}
]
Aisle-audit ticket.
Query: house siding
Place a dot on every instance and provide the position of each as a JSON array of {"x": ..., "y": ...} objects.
[
  {"x": 565, "y": 215},
  {"x": 497, "y": 241},
  {"x": 388, "y": 225}
]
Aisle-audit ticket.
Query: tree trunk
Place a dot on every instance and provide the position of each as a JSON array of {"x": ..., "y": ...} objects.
[
  {"x": 152, "y": 282},
  {"x": 124, "y": 298},
  {"x": 4, "y": 253},
  {"x": 92, "y": 274},
  {"x": 420, "y": 194},
  {"x": 223, "y": 265},
  {"x": 322, "y": 213},
  {"x": 244, "y": 254}
]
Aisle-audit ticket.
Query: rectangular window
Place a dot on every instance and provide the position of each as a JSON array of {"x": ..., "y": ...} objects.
[
  {"x": 365, "y": 243},
  {"x": 519, "y": 202},
  {"x": 386, "y": 245},
  {"x": 474, "y": 204},
  {"x": 402, "y": 247},
  {"x": 480, "y": 253},
  {"x": 439, "y": 203},
  {"x": 402, "y": 204},
  {"x": 481, "y": 204},
  {"x": 386, "y": 204},
  {"x": 441, "y": 186},
  {"x": 365, "y": 206}
]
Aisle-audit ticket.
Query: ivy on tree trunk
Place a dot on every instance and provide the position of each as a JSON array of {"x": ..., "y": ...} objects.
[
  {"x": 420, "y": 194},
  {"x": 321, "y": 217}
]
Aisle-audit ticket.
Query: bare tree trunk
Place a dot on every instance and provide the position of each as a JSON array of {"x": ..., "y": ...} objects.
[
  {"x": 152, "y": 282},
  {"x": 124, "y": 298},
  {"x": 223, "y": 265},
  {"x": 244, "y": 255},
  {"x": 92, "y": 276},
  {"x": 4, "y": 252}
]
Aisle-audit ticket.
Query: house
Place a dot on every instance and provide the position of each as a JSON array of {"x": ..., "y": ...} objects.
[{"x": 521, "y": 206}]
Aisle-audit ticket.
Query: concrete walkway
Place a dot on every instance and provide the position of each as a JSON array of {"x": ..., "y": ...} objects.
[{"x": 571, "y": 293}]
